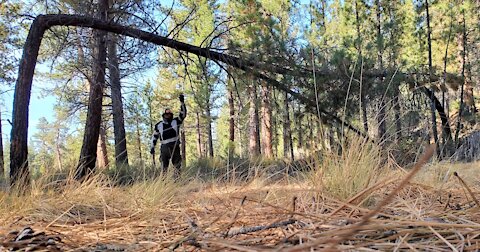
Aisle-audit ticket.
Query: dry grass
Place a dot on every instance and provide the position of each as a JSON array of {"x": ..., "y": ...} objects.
[{"x": 430, "y": 213}]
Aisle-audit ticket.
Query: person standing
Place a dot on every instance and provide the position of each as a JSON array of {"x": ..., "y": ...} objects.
[{"x": 168, "y": 131}]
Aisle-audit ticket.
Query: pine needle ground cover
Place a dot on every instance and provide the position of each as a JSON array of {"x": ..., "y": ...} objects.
[{"x": 436, "y": 210}]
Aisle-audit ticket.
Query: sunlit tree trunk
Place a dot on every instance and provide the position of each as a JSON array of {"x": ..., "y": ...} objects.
[
  {"x": 58, "y": 152},
  {"x": 102, "y": 155},
  {"x": 253, "y": 146},
  {"x": 266, "y": 131}
]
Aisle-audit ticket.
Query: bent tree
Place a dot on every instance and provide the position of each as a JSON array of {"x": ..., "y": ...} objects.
[{"x": 18, "y": 156}]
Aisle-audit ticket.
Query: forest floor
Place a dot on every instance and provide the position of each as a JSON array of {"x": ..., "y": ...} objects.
[{"x": 432, "y": 212}]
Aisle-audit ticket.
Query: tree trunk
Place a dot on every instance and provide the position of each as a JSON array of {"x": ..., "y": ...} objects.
[
  {"x": 266, "y": 123},
  {"x": 274, "y": 113},
  {"x": 445, "y": 98},
  {"x": 430, "y": 73},
  {"x": 298, "y": 125},
  {"x": 382, "y": 125},
  {"x": 397, "y": 111},
  {"x": 2, "y": 159},
  {"x": 253, "y": 146},
  {"x": 441, "y": 111},
  {"x": 19, "y": 173},
  {"x": 183, "y": 146},
  {"x": 231, "y": 121},
  {"x": 286, "y": 127},
  {"x": 121, "y": 156},
  {"x": 363, "y": 88},
  {"x": 199, "y": 136},
  {"x": 102, "y": 155},
  {"x": 463, "y": 53},
  {"x": 209, "y": 130},
  {"x": 139, "y": 137},
  {"x": 88, "y": 154},
  {"x": 57, "y": 151}
]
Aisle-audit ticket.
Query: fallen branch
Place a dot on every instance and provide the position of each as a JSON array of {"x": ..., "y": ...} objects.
[{"x": 246, "y": 230}]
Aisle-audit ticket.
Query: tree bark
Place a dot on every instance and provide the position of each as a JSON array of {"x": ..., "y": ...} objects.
[
  {"x": 102, "y": 155},
  {"x": 266, "y": 131},
  {"x": 430, "y": 74},
  {"x": 253, "y": 146},
  {"x": 88, "y": 154},
  {"x": 121, "y": 155}
]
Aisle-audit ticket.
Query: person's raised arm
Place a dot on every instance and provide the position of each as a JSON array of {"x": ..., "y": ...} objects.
[{"x": 183, "y": 108}]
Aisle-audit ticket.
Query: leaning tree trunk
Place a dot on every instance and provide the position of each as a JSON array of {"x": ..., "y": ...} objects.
[
  {"x": 88, "y": 154},
  {"x": 121, "y": 156},
  {"x": 266, "y": 123}
]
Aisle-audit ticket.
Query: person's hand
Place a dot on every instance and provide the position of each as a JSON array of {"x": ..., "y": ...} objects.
[
  {"x": 152, "y": 151},
  {"x": 181, "y": 98}
]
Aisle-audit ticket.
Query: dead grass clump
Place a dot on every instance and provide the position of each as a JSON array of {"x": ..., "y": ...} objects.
[{"x": 343, "y": 175}]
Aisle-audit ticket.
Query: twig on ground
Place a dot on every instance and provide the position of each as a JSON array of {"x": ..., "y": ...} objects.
[
  {"x": 246, "y": 230},
  {"x": 235, "y": 216},
  {"x": 467, "y": 188}
]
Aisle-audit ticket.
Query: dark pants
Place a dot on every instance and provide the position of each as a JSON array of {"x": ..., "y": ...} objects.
[{"x": 171, "y": 151}]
